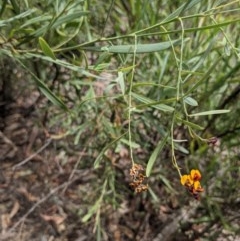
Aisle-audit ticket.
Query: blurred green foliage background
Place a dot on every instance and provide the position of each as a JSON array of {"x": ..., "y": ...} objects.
[{"x": 136, "y": 81}]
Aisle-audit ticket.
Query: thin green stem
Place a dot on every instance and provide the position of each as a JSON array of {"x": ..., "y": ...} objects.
[
  {"x": 130, "y": 100},
  {"x": 179, "y": 81},
  {"x": 174, "y": 160},
  {"x": 181, "y": 60},
  {"x": 226, "y": 37},
  {"x": 98, "y": 212}
]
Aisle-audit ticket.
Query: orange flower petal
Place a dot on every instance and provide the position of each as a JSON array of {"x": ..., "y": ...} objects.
[
  {"x": 197, "y": 187},
  {"x": 186, "y": 180},
  {"x": 195, "y": 175}
]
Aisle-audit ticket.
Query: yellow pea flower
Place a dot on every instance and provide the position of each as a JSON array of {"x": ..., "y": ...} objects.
[
  {"x": 197, "y": 187},
  {"x": 195, "y": 175},
  {"x": 186, "y": 180},
  {"x": 192, "y": 182}
]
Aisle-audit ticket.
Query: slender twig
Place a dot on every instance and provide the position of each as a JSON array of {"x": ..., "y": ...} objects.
[
  {"x": 33, "y": 155},
  {"x": 74, "y": 170},
  {"x": 32, "y": 209}
]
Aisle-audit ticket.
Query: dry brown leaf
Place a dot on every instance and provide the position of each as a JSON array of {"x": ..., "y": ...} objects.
[
  {"x": 6, "y": 218},
  {"x": 5, "y": 222},
  {"x": 117, "y": 235},
  {"x": 57, "y": 219},
  {"x": 165, "y": 209},
  {"x": 123, "y": 152},
  {"x": 27, "y": 194},
  {"x": 15, "y": 209}
]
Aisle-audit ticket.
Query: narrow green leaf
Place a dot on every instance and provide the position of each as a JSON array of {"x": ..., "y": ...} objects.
[
  {"x": 194, "y": 29},
  {"x": 91, "y": 211},
  {"x": 180, "y": 148},
  {"x": 37, "y": 19},
  {"x": 126, "y": 69},
  {"x": 90, "y": 94},
  {"x": 227, "y": 49},
  {"x": 151, "y": 103},
  {"x": 210, "y": 112},
  {"x": 203, "y": 78},
  {"x": 17, "y": 17},
  {"x": 157, "y": 105},
  {"x": 4, "y": 3},
  {"x": 142, "y": 84},
  {"x": 46, "y": 48},
  {"x": 190, "y": 124},
  {"x": 102, "y": 59},
  {"x": 131, "y": 144},
  {"x": 45, "y": 90},
  {"x": 99, "y": 157},
  {"x": 155, "y": 154},
  {"x": 196, "y": 62},
  {"x": 79, "y": 132},
  {"x": 187, "y": 5},
  {"x": 167, "y": 183},
  {"x": 190, "y": 101},
  {"x": 55, "y": 23},
  {"x": 61, "y": 63},
  {"x": 120, "y": 81},
  {"x": 138, "y": 49},
  {"x": 51, "y": 96},
  {"x": 66, "y": 18},
  {"x": 15, "y": 6},
  {"x": 154, "y": 196}
]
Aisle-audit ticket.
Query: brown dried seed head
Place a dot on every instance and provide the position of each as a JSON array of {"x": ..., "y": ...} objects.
[{"x": 136, "y": 173}]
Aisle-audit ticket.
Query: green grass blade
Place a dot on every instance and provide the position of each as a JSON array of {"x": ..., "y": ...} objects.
[
  {"x": 70, "y": 18},
  {"x": 155, "y": 154},
  {"x": 17, "y": 17},
  {"x": 15, "y": 6},
  {"x": 181, "y": 9},
  {"x": 210, "y": 112},
  {"x": 91, "y": 211},
  {"x": 99, "y": 157},
  {"x": 37, "y": 19},
  {"x": 203, "y": 78},
  {"x": 167, "y": 183},
  {"x": 3, "y": 7},
  {"x": 46, "y": 48},
  {"x": 75, "y": 16}
]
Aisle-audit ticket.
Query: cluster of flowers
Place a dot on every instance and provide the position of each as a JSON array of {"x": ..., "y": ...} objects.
[
  {"x": 136, "y": 173},
  {"x": 192, "y": 183}
]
